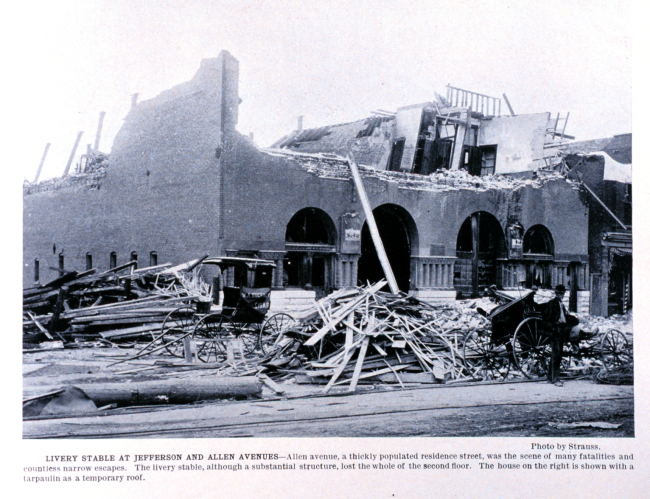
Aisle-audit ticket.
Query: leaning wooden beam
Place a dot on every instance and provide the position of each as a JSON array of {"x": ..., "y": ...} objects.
[
  {"x": 72, "y": 153},
  {"x": 339, "y": 370},
  {"x": 625, "y": 227},
  {"x": 359, "y": 365},
  {"x": 40, "y": 166},
  {"x": 374, "y": 231},
  {"x": 508, "y": 104}
]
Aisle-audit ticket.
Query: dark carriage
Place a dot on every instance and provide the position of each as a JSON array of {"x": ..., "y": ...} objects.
[
  {"x": 243, "y": 315},
  {"x": 519, "y": 340}
]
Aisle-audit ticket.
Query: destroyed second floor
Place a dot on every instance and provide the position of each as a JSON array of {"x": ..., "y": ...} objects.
[{"x": 462, "y": 131}]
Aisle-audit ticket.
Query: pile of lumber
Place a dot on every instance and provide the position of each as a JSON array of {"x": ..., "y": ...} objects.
[
  {"x": 121, "y": 303},
  {"x": 365, "y": 335}
]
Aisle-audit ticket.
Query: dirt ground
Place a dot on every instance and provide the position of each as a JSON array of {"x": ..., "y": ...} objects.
[{"x": 469, "y": 409}]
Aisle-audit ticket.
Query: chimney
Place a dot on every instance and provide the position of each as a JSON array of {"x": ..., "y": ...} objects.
[
  {"x": 299, "y": 124},
  {"x": 134, "y": 100}
]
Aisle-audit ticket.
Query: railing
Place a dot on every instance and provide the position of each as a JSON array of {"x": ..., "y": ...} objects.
[
  {"x": 435, "y": 272},
  {"x": 484, "y": 104}
]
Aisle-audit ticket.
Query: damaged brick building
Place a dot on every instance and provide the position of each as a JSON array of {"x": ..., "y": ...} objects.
[{"x": 464, "y": 197}]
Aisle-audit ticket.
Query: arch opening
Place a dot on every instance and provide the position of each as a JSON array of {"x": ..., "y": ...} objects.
[
  {"x": 398, "y": 233},
  {"x": 479, "y": 244},
  {"x": 538, "y": 241},
  {"x": 310, "y": 242}
]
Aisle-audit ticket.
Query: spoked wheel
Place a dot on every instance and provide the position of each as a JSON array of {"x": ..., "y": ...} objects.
[
  {"x": 249, "y": 336},
  {"x": 532, "y": 348},
  {"x": 211, "y": 334},
  {"x": 273, "y": 329},
  {"x": 483, "y": 359},
  {"x": 614, "y": 349},
  {"x": 178, "y": 323}
]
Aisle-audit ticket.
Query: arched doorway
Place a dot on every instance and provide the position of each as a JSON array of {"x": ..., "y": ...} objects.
[
  {"x": 399, "y": 235},
  {"x": 480, "y": 242},
  {"x": 539, "y": 249},
  {"x": 310, "y": 242}
]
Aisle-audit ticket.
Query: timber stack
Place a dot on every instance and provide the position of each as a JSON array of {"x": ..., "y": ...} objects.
[
  {"x": 365, "y": 335},
  {"x": 120, "y": 303}
]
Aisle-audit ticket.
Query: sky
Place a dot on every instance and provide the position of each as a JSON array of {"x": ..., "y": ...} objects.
[{"x": 330, "y": 61}]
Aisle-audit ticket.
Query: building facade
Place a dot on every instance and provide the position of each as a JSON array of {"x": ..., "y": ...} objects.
[{"x": 181, "y": 182}]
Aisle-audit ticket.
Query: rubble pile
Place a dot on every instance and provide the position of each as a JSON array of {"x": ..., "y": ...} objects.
[
  {"x": 117, "y": 304},
  {"x": 326, "y": 165},
  {"x": 365, "y": 335}
]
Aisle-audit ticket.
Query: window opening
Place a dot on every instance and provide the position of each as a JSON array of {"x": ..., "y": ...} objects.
[
  {"x": 134, "y": 258},
  {"x": 538, "y": 241},
  {"x": 488, "y": 159},
  {"x": 153, "y": 259},
  {"x": 37, "y": 269},
  {"x": 89, "y": 261},
  {"x": 112, "y": 261},
  {"x": 395, "y": 159}
]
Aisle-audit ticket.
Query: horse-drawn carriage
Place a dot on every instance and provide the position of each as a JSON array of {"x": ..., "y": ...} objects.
[
  {"x": 243, "y": 315},
  {"x": 519, "y": 340}
]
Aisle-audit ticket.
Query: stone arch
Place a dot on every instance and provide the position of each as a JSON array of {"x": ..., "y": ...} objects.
[
  {"x": 311, "y": 226},
  {"x": 479, "y": 244},
  {"x": 310, "y": 244},
  {"x": 538, "y": 240},
  {"x": 399, "y": 236}
]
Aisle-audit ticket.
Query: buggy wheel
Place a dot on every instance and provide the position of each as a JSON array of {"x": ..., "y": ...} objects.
[
  {"x": 177, "y": 324},
  {"x": 211, "y": 334},
  {"x": 249, "y": 337},
  {"x": 531, "y": 348},
  {"x": 483, "y": 359},
  {"x": 273, "y": 329},
  {"x": 614, "y": 349}
]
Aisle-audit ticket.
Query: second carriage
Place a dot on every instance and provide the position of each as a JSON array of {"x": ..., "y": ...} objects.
[
  {"x": 243, "y": 315},
  {"x": 519, "y": 341}
]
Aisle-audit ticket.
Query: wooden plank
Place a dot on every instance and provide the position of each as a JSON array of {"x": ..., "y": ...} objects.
[
  {"x": 40, "y": 327},
  {"x": 359, "y": 365},
  {"x": 374, "y": 231},
  {"x": 271, "y": 384},
  {"x": 342, "y": 314},
  {"x": 340, "y": 369}
]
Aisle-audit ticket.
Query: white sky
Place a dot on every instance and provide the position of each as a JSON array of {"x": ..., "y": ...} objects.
[{"x": 331, "y": 61}]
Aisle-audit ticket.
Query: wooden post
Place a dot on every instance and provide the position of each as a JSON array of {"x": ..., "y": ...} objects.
[
  {"x": 459, "y": 141},
  {"x": 99, "y": 129},
  {"x": 374, "y": 231},
  {"x": 74, "y": 150},
  {"x": 40, "y": 166},
  {"x": 507, "y": 104},
  {"x": 475, "y": 249}
]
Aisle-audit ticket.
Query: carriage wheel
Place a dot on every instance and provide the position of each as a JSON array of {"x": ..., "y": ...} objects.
[
  {"x": 482, "y": 358},
  {"x": 211, "y": 334},
  {"x": 614, "y": 349},
  {"x": 532, "y": 348},
  {"x": 273, "y": 329},
  {"x": 249, "y": 337},
  {"x": 177, "y": 324}
]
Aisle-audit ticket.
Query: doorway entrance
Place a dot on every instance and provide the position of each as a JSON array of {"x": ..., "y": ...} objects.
[
  {"x": 399, "y": 235},
  {"x": 480, "y": 242}
]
